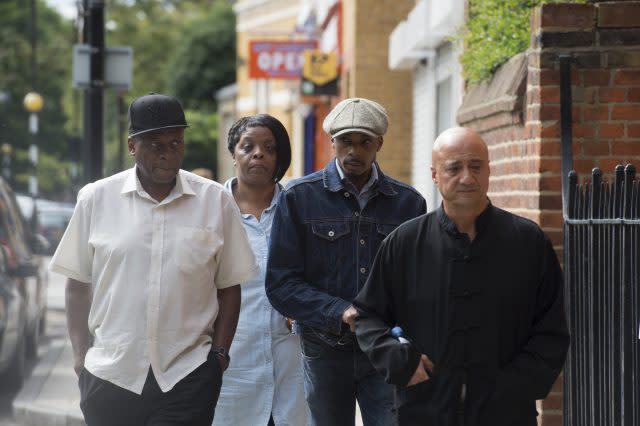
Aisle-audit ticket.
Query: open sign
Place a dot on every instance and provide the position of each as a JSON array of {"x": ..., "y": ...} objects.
[{"x": 278, "y": 59}]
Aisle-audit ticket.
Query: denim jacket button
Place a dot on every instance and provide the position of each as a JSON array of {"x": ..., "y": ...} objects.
[
  {"x": 331, "y": 233},
  {"x": 346, "y": 194}
]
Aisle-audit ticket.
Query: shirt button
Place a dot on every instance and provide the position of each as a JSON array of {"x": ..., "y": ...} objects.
[
  {"x": 331, "y": 233},
  {"x": 363, "y": 270},
  {"x": 361, "y": 242},
  {"x": 346, "y": 194},
  {"x": 356, "y": 214}
]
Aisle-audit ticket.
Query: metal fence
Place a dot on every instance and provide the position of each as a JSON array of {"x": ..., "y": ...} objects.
[{"x": 602, "y": 275}]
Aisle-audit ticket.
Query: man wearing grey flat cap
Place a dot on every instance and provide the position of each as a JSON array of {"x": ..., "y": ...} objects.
[
  {"x": 153, "y": 256},
  {"x": 326, "y": 231}
]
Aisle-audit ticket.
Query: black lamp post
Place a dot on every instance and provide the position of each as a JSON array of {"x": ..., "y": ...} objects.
[{"x": 33, "y": 103}]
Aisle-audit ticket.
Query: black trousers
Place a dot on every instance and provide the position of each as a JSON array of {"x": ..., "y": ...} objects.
[{"x": 191, "y": 402}]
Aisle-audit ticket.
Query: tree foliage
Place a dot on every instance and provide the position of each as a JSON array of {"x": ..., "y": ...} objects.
[
  {"x": 51, "y": 80},
  {"x": 181, "y": 47},
  {"x": 495, "y": 31},
  {"x": 200, "y": 140},
  {"x": 205, "y": 58}
]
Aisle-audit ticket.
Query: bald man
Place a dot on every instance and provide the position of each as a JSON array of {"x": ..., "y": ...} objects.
[{"x": 478, "y": 293}]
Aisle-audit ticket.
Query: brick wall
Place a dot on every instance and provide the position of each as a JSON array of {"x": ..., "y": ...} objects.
[
  {"x": 523, "y": 132},
  {"x": 367, "y": 25}
]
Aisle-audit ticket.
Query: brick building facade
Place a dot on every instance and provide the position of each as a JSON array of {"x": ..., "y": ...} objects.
[
  {"x": 273, "y": 20},
  {"x": 363, "y": 28},
  {"x": 358, "y": 30},
  {"x": 518, "y": 113},
  {"x": 368, "y": 24}
]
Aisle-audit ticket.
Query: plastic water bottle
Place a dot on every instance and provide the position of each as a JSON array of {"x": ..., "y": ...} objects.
[{"x": 398, "y": 333}]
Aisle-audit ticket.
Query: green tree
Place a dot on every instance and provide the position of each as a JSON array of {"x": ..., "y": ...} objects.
[
  {"x": 495, "y": 31},
  {"x": 150, "y": 28},
  {"x": 184, "y": 48},
  {"x": 16, "y": 80},
  {"x": 201, "y": 140},
  {"x": 205, "y": 59}
]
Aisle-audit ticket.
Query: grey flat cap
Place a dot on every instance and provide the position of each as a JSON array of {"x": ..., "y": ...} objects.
[{"x": 356, "y": 115}]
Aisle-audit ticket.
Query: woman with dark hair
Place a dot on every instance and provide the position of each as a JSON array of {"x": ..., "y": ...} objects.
[{"x": 263, "y": 384}]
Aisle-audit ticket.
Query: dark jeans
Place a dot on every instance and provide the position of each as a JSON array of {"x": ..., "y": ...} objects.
[
  {"x": 334, "y": 377},
  {"x": 191, "y": 402}
]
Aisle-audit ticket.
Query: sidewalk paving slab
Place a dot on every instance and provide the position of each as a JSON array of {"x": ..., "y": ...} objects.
[{"x": 50, "y": 396}]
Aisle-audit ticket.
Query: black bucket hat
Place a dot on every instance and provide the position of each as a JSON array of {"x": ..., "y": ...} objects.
[{"x": 153, "y": 112}]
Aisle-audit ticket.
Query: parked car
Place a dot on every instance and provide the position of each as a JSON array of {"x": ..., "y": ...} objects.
[
  {"x": 53, "y": 219},
  {"x": 22, "y": 290},
  {"x": 28, "y": 208},
  {"x": 46, "y": 217}
]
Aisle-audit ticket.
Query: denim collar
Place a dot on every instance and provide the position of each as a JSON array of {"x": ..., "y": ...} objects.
[{"x": 333, "y": 182}]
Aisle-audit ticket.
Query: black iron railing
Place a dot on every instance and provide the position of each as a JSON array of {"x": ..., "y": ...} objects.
[{"x": 602, "y": 289}]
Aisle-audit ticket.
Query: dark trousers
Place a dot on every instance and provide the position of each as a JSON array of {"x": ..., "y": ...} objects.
[
  {"x": 334, "y": 377},
  {"x": 191, "y": 402}
]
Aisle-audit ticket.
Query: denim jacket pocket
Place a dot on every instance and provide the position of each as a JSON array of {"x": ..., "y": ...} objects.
[
  {"x": 330, "y": 231},
  {"x": 330, "y": 246}
]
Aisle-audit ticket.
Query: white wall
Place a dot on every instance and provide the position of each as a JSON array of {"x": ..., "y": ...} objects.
[
  {"x": 433, "y": 112},
  {"x": 423, "y": 131}
]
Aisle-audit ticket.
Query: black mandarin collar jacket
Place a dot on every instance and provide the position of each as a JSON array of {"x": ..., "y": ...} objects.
[{"x": 489, "y": 313}]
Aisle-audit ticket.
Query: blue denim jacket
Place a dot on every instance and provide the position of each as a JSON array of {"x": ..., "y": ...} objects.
[{"x": 322, "y": 245}]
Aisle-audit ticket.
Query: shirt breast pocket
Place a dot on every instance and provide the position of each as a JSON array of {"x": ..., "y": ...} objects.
[{"x": 194, "y": 248}]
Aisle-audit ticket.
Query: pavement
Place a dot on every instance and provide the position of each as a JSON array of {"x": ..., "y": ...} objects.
[{"x": 50, "y": 396}]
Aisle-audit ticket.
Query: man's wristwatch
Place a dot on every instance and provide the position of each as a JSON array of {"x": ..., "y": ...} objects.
[{"x": 221, "y": 352}]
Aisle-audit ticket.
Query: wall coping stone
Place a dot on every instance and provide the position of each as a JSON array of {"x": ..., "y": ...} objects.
[{"x": 505, "y": 91}]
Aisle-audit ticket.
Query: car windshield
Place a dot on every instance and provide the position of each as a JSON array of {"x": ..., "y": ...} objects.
[{"x": 58, "y": 219}]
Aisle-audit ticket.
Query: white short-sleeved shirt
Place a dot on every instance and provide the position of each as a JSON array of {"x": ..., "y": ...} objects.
[{"x": 154, "y": 268}]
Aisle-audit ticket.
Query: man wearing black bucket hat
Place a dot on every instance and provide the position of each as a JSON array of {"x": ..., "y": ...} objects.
[
  {"x": 326, "y": 231},
  {"x": 153, "y": 256}
]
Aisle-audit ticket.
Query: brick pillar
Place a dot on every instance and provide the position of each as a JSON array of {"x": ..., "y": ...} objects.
[
  {"x": 603, "y": 40},
  {"x": 370, "y": 77},
  {"x": 521, "y": 124}
]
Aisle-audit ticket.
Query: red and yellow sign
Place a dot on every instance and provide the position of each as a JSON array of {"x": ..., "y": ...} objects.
[
  {"x": 278, "y": 59},
  {"x": 320, "y": 67}
]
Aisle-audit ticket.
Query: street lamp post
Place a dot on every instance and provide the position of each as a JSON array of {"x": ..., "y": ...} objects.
[{"x": 33, "y": 103}]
